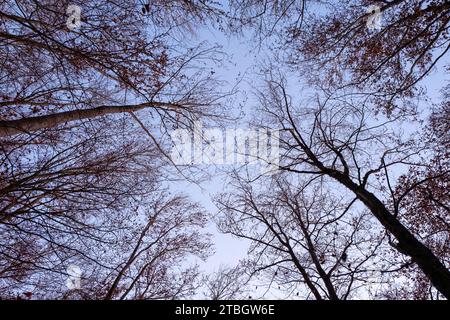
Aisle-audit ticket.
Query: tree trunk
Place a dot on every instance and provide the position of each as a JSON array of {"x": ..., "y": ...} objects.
[
  {"x": 26, "y": 125},
  {"x": 408, "y": 244}
]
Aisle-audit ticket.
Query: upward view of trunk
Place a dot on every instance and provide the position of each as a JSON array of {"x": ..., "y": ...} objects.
[
  {"x": 30, "y": 124},
  {"x": 408, "y": 244}
]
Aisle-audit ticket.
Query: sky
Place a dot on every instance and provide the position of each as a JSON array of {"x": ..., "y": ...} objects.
[{"x": 241, "y": 57}]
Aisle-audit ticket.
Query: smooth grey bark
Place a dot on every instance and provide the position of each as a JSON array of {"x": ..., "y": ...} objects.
[{"x": 30, "y": 124}]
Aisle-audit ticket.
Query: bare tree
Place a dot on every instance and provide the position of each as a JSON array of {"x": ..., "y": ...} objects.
[
  {"x": 424, "y": 205},
  {"x": 382, "y": 48},
  {"x": 304, "y": 240},
  {"x": 82, "y": 199},
  {"x": 227, "y": 283},
  {"x": 337, "y": 139},
  {"x": 86, "y": 103},
  {"x": 118, "y": 60},
  {"x": 75, "y": 173},
  {"x": 265, "y": 18},
  {"x": 169, "y": 236},
  {"x": 137, "y": 253}
]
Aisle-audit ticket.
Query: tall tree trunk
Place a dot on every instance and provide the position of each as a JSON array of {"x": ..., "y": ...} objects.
[
  {"x": 408, "y": 244},
  {"x": 25, "y": 125}
]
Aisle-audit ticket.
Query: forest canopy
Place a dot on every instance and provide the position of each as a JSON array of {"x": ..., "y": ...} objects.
[{"x": 355, "y": 205}]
